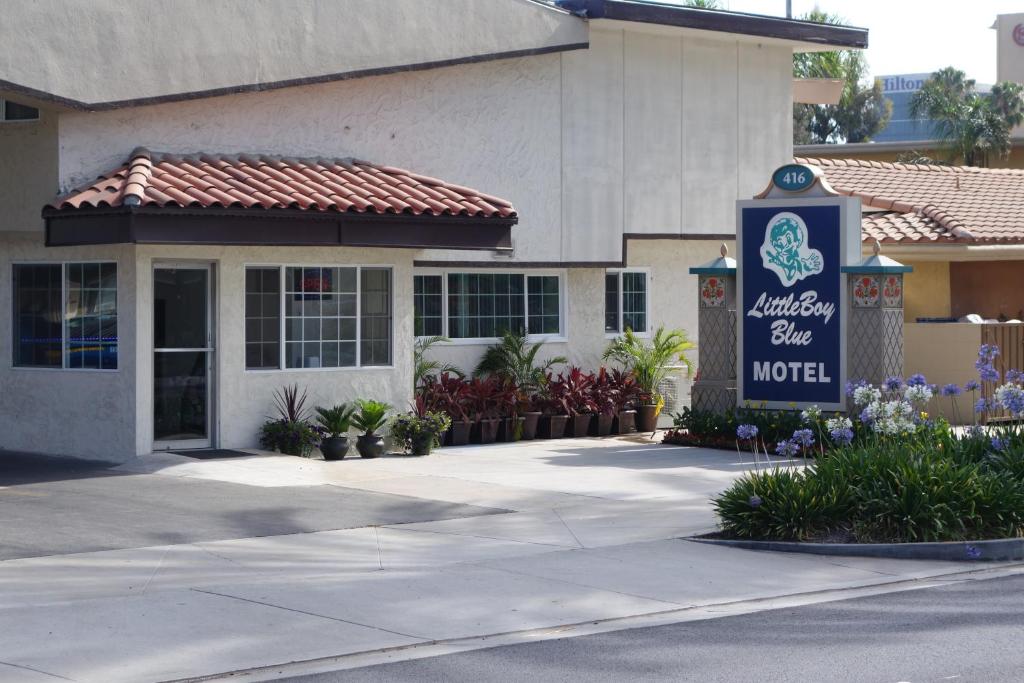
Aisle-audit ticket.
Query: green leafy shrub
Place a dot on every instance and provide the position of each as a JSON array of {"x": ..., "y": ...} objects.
[{"x": 416, "y": 432}]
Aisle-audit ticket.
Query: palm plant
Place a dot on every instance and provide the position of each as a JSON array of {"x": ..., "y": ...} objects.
[
  {"x": 514, "y": 360},
  {"x": 649, "y": 362},
  {"x": 336, "y": 420},
  {"x": 371, "y": 417},
  {"x": 422, "y": 367},
  {"x": 969, "y": 124}
]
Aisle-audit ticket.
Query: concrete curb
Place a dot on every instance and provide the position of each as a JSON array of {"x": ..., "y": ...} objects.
[{"x": 996, "y": 550}]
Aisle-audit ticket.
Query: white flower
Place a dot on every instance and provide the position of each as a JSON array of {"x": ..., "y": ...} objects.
[
  {"x": 862, "y": 396},
  {"x": 836, "y": 423},
  {"x": 811, "y": 414},
  {"x": 918, "y": 394}
]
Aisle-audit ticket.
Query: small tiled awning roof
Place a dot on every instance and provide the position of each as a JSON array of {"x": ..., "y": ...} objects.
[
  {"x": 242, "y": 186},
  {"x": 923, "y": 203}
]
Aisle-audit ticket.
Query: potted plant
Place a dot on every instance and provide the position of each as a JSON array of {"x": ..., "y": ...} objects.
[
  {"x": 579, "y": 401},
  {"x": 291, "y": 432},
  {"x": 483, "y": 398},
  {"x": 447, "y": 394},
  {"x": 555, "y": 405},
  {"x": 508, "y": 402},
  {"x": 419, "y": 433},
  {"x": 626, "y": 395},
  {"x": 514, "y": 360},
  {"x": 603, "y": 394},
  {"x": 372, "y": 417},
  {"x": 335, "y": 422},
  {"x": 649, "y": 363}
]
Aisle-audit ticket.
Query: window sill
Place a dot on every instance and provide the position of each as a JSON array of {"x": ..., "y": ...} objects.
[
  {"x": 269, "y": 371},
  {"x": 638, "y": 335},
  {"x": 44, "y": 368},
  {"x": 487, "y": 341}
]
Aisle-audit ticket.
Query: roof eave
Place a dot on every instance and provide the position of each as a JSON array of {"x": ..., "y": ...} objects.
[{"x": 810, "y": 33}]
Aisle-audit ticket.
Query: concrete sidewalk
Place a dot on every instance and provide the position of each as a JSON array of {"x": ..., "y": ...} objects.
[{"x": 593, "y": 534}]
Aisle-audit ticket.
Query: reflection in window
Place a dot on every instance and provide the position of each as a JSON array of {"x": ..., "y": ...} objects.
[
  {"x": 262, "y": 318},
  {"x": 428, "y": 300},
  {"x": 625, "y": 301},
  {"x": 91, "y": 315}
]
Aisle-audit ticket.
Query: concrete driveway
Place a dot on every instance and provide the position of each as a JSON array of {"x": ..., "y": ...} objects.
[{"x": 591, "y": 539}]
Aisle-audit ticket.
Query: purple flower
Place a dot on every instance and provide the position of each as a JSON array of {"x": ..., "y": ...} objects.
[
  {"x": 787, "y": 448},
  {"x": 842, "y": 436},
  {"x": 951, "y": 390},
  {"x": 804, "y": 437},
  {"x": 853, "y": 385},
  {"x": 754, "y": 501},
  {"x": 893, "y": 384},
  {"x": 1014, "y": 375},
  {"x": 981, "y": 405},
  {"x": 972, "y": 385},
  {"x": 999, "y": 443},
  {"x": 987, "y": 353},
  {"x": 987, "y": 373},
  {"x": 746, "y": 432},
  {"x": 916, "y": 380}
]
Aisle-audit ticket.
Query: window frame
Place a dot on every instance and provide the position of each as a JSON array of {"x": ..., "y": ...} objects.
[
  {"x": 563, "y": 318},
  {"x": 283, "y": 364},
  {"x": 63, "y": 367},
  {"x": 4, "y": 119},
  {"x": 646, "y": 272}
]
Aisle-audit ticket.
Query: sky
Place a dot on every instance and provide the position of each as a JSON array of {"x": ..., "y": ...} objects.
[{"x": 913, "y": 36}]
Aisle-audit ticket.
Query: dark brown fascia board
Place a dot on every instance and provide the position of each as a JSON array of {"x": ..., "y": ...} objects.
[
  {"x": 69, "y": 103},
  {"x": 715, "y": 237},
  {"x": 145, "y": 225},
  {"x": 724, "y": 21}
]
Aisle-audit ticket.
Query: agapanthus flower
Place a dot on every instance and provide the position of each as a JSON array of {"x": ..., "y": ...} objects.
[
  {"x": 999, "y": 443},
  {"x": 918, "y": 393},
  {"x": 865, "y": 395},
  {"x": 986, "y": 354},
  {"x": 972, "y": 385},
  {"x": 838, "y": 423},
  {"x": 754, "y": 501},
  {"x": 853, "y": 385},
  {"x": 787, "y": 448},
  {"x": 842, "y": 436},
  {"x": 916, "y": 380},
  {"x": 810, "y": 415},
  {"x": 1014, "y": 375},
  {"x": 746, "y": 432},
  {"x": 893, "y": 383},
  {"x": 987, "y": 373},
  {"x": 804, "y": 437},
  {"x": 975, "y": 432},
  {"x": 951, "y": 390},
  {"x": 868, "y": 414},
  {"x": 981, "y": 405},
  {"x": 1011, "y": 397}
]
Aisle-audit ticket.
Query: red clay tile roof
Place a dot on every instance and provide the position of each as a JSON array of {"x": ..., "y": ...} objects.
[
  {"x": 270, "y": 182},
  {"x": 924, "y": 203}
]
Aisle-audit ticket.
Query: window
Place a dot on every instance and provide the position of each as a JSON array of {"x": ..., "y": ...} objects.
[
  {"x": 625, "y": 301},
  {"x": 65, "y": 315},
  {"x": 327, "y": 316},
  {"x": 12, "y": 111},
  {"x": 486, "y": 305},
  {"x": 428, "y": 305},
  {"x": 263, "y": 318}
]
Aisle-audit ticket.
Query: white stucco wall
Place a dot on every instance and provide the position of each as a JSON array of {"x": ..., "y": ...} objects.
[
  {"x": 243, "y": 399},
  {"x": 28, "y": 171},
  {"x": 642, "y": 133},
  {"x": 86, "y": 413}
]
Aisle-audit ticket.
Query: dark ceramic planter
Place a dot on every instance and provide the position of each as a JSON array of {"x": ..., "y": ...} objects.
[
  {"x": 530, "y": 421},
  {"x": 458, "y": 434},
  {"x": 485, "y": 431},
  {"x": 370, "y": 445},
  {"x": 647, "y": 418},
  {"x": 552, "y": 426},
  {"x": 602, "y": 425},
  {"x": 579, "y": 425},
  {"x": 422, "y": 444},
  {"x": 624, "y": 422},
  {"x": 334, "y": 447},
  {"x": 511, "y": 429}
]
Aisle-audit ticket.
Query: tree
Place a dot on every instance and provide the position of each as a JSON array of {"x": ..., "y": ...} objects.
[
  {"x": 704, "y": 4},
  {"x": 862, "y": 110},
  {"x": 970, "y": 126}
]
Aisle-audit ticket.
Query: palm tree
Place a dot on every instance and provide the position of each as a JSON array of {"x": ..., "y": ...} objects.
[
  {"x": 515, "y": 360},
  {"x": 423, "y": 367},
  {"x": 649, "y": 363},
  {"x": 970, "y": 125}
]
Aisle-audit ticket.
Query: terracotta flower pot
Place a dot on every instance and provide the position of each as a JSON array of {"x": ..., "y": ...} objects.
[
  {"x": 624, "y": 422},
  {"x": 602, "y": 425},
  {"x": 552, "y": 426},
  {"x": 458, "y": 433},
  {"x": 579, "y": 425},
  {"x": 511, "y": 429},
  {"x": 485, "y": 431},
  {"x": 530, "y": 421},
  {"x": 647, "y": 418}
]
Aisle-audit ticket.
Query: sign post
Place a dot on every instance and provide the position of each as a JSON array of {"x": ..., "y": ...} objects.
[{"x": 791, "y": 320}]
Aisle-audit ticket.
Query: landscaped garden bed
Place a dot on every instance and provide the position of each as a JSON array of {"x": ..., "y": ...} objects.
[{"x": 888, "y": 473}]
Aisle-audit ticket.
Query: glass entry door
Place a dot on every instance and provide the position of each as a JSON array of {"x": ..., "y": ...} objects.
[{"x": 182, "y": 356}]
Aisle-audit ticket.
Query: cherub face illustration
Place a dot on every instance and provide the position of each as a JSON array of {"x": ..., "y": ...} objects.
[{"x": 784, "y": 249}]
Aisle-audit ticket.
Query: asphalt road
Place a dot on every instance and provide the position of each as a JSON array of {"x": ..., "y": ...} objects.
[
  {"x": 56, "y": 506},
  {"x": 961, "y": 632}
]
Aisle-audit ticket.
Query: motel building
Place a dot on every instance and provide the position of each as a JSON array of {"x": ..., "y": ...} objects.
[{"x": 193, "y": 215}]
